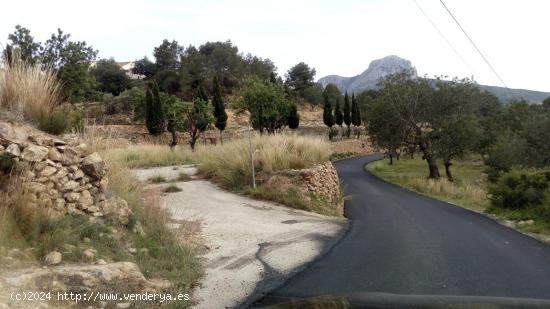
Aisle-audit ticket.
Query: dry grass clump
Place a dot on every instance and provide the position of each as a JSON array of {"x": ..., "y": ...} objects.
[
  {"x": 476, "y": 195},
  {"x": 28, "y": 91},
  {"x": 230, "y": 162},
  {"x": 148, "y": 155}
]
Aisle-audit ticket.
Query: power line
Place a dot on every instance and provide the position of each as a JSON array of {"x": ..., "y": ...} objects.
[
  {"x": 444, "y": 37},
  {"x": 475, "y": 46}
]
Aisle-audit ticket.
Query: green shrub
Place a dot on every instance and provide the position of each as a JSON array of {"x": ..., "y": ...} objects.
[
  {"x": 172, "y": 188},
  {"x": 7, "y": 164},
  {"x": 519, "y": 188},
  {"x": 157, "y": 179},
  {"x": 61, "y": 121},
  {"x": 55, "y": 123}
]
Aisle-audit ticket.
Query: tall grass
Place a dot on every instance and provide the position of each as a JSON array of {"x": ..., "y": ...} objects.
[
  {"x": 148, "y": 155},
  {"x": 467, "y": 190},
  {"x": 230, "y": 163},
  {"x": 28, "y": 91}
]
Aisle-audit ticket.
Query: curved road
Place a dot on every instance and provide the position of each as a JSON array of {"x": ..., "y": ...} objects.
[{"x": 404, "y": 243}]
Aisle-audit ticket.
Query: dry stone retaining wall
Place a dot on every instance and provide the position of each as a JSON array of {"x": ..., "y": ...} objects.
[
  {"x": 320, "y": 181},
  {"x": 60, "y": 176}
]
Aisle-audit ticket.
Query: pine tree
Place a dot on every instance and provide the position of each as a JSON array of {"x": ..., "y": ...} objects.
[
  {"x": 355, "y": 114},
  {"x": 347, "y": 114},
  {"x": 154, "y": 117},
  {"x": 219, "y": 107},
  {"x": 328, "y": 118},
  {"x": 293, "y": 119}
]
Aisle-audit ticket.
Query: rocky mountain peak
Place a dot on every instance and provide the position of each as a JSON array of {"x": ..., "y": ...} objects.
[{"x": 369, "y": 78}]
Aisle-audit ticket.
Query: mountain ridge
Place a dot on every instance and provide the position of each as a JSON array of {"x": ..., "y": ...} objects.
[{"x": 392, "y": 64}]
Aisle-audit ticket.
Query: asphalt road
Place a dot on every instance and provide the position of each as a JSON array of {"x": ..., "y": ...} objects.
[{"x": 404, "y": 243}]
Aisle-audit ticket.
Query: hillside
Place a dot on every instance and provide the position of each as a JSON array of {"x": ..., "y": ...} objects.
[{"x": 393, "y": 64}]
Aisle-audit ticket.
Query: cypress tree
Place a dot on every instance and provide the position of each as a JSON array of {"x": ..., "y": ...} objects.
[
  {"x": 201, "y": 94},
  {"x": 347, "y": 113},
  {"x": 154, "y": 118},
  {"x": 328, "y": 119},
  {"x": 338, "y": 116},
  {"x": 149, "y": 110},
  {"x": 293, "y": 119},
  {"x": 219, "y": 107},
  {"x": 355, "y": 114}
]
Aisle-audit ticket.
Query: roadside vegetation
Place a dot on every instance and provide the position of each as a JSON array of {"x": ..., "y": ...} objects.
[
  {"x": 229, "y": 164},
  {"x": 467, "y": 190},
  {"x": 495, "y": 157},
  {"x": 30, "y": 93}
]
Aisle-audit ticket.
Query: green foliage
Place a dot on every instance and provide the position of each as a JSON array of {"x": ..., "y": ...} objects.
[
  {"x": 338, "y": 116},
  {"x": 131, "y": 100},
  {"x": 144, "y": 67},
  {"x": 219, "y": 106},
  {"x": 439, "y": 118},
  {"x": 259, "y": 67},
  {"x": 110, "y": 77},
  {"x": 197, "y": 120},
  {"x": 355, "y": 112},
  {"x": 22, "y": 42},
  {"x": 332, "y": 93},
  {"x": 521, "y": 140},
  {"x": 328, "y": 117},
  {"x": 61, "y": 121},
  {"x": 172, "y": 188},
  {"x": 300, "y": 77},
  {"x": 313, "y": 94},
  {"x": 267, "y": 104},
  {"x": 520, "y": 188},
  {"x": 347, "y": 110},
  {"x": 7, "y": 165},
  {"x": 155, "y": 119},
  {"x": 157, "y": 179},
  {"x": 546, "y": 103},
  {"x": 293, "y": 119},
  {"x": 72, "y": 60}
]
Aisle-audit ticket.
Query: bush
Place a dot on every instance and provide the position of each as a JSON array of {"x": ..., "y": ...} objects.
[
  {"x": 55, "y": 123},
  {"x": 61, "y": 121},
  {"x": 172, "y": 188},
  {"x": 520, "y": 188}
]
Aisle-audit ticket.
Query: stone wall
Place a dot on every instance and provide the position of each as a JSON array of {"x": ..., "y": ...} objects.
[
  {"x": 320, "y": 181},
  {"x": 60, "y": 176}
]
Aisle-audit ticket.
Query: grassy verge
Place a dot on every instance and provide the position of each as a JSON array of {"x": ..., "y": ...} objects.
[
  {"x": 295, "y": 199},
  {"x": 468, "y": 190},
  {"x": 229, "y": 164},
  {"x": 159, "y": 254}
]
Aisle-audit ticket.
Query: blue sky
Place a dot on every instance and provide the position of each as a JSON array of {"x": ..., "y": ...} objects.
[{"x": 335, "y": 37}]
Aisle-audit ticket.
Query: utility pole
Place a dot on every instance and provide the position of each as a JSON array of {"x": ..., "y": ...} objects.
[{"x": 251, "y": 158}]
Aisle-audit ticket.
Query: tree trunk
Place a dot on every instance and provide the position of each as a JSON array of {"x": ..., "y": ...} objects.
[
  {"x": 432, "y": 165},
  {"x": 448, "y": 170},
  {"x": 397, "y": 154},
  {"x": 391, "y": 157},
  {"x": 426, "y": 148},
  {"x": 221, "y": 137},
  {"x": 174, "y": 139}
]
